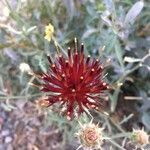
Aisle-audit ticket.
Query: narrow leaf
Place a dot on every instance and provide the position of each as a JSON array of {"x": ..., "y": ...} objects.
[
  {"x": 31, "y": 29},
  {"x": 133, "y": 13},
  {"x": 89, "y": 32},
  {"x": 131, "y": 59}
]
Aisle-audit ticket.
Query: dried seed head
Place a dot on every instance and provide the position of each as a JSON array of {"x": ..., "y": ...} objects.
[
  {"x": 90, "y": 135},
  {"x": 140, "y": 137}
]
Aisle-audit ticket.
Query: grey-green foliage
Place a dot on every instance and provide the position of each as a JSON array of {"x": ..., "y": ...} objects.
[{"x": 121, "y": 26}]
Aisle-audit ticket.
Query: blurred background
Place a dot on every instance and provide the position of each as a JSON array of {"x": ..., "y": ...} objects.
[{"x": 122, "y": 26}]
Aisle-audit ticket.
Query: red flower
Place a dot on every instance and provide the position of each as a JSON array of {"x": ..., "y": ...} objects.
[{"x": 75, "y": 81}]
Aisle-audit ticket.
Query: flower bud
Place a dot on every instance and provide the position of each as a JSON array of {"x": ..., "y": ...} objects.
[
  {"x": 90, "y": 135},
  {"x": 140, "y": 137}
]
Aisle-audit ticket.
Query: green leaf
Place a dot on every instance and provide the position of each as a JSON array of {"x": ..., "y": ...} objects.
[
  {"x": 119, "y": 53},
  {"x": 133, "y": 13},
  {"x": 114, "y": 98}
]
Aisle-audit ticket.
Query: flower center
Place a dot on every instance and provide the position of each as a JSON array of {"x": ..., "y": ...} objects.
[{"x": 92, "y": 136}]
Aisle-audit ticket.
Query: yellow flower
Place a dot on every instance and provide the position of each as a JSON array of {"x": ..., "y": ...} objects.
[{"x": 49, "y": 30}]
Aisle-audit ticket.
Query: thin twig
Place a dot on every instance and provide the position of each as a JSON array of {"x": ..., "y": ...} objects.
[
  {"x": 120, "y": 135},
  {"x": 21, "y": 97},
  {"x": 126, "y": 119},
  {"x": 134, "y": 98}
]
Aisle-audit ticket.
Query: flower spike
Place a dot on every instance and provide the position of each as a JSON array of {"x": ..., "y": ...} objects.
[{"x": 76, "y": 81}]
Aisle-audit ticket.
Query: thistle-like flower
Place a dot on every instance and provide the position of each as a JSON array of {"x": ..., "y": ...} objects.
[{"x": 74, "y": 81}]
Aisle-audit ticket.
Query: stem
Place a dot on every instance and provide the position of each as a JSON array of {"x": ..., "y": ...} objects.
[
  {"x": 117, "y": 145},
  {"x": 21, "y": 97},
  {"x": 116, "y": 125},
  {"x": 128, "y": 72},
  {"x": 126, "y": 119},
  {"x": 120, "y": 135},
  {"x": 58, "y": 46}
]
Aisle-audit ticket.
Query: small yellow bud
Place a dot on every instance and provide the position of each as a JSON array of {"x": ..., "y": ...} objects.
[{"x": 49, "y": 30}]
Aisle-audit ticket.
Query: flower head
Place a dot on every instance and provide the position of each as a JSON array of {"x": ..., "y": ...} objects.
[
  {"x": 140, "y": 137},
  {"x": 90, "y": 136},
  {"x": 74, "y": 81},
  {"x": 49, "y": 30}
]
